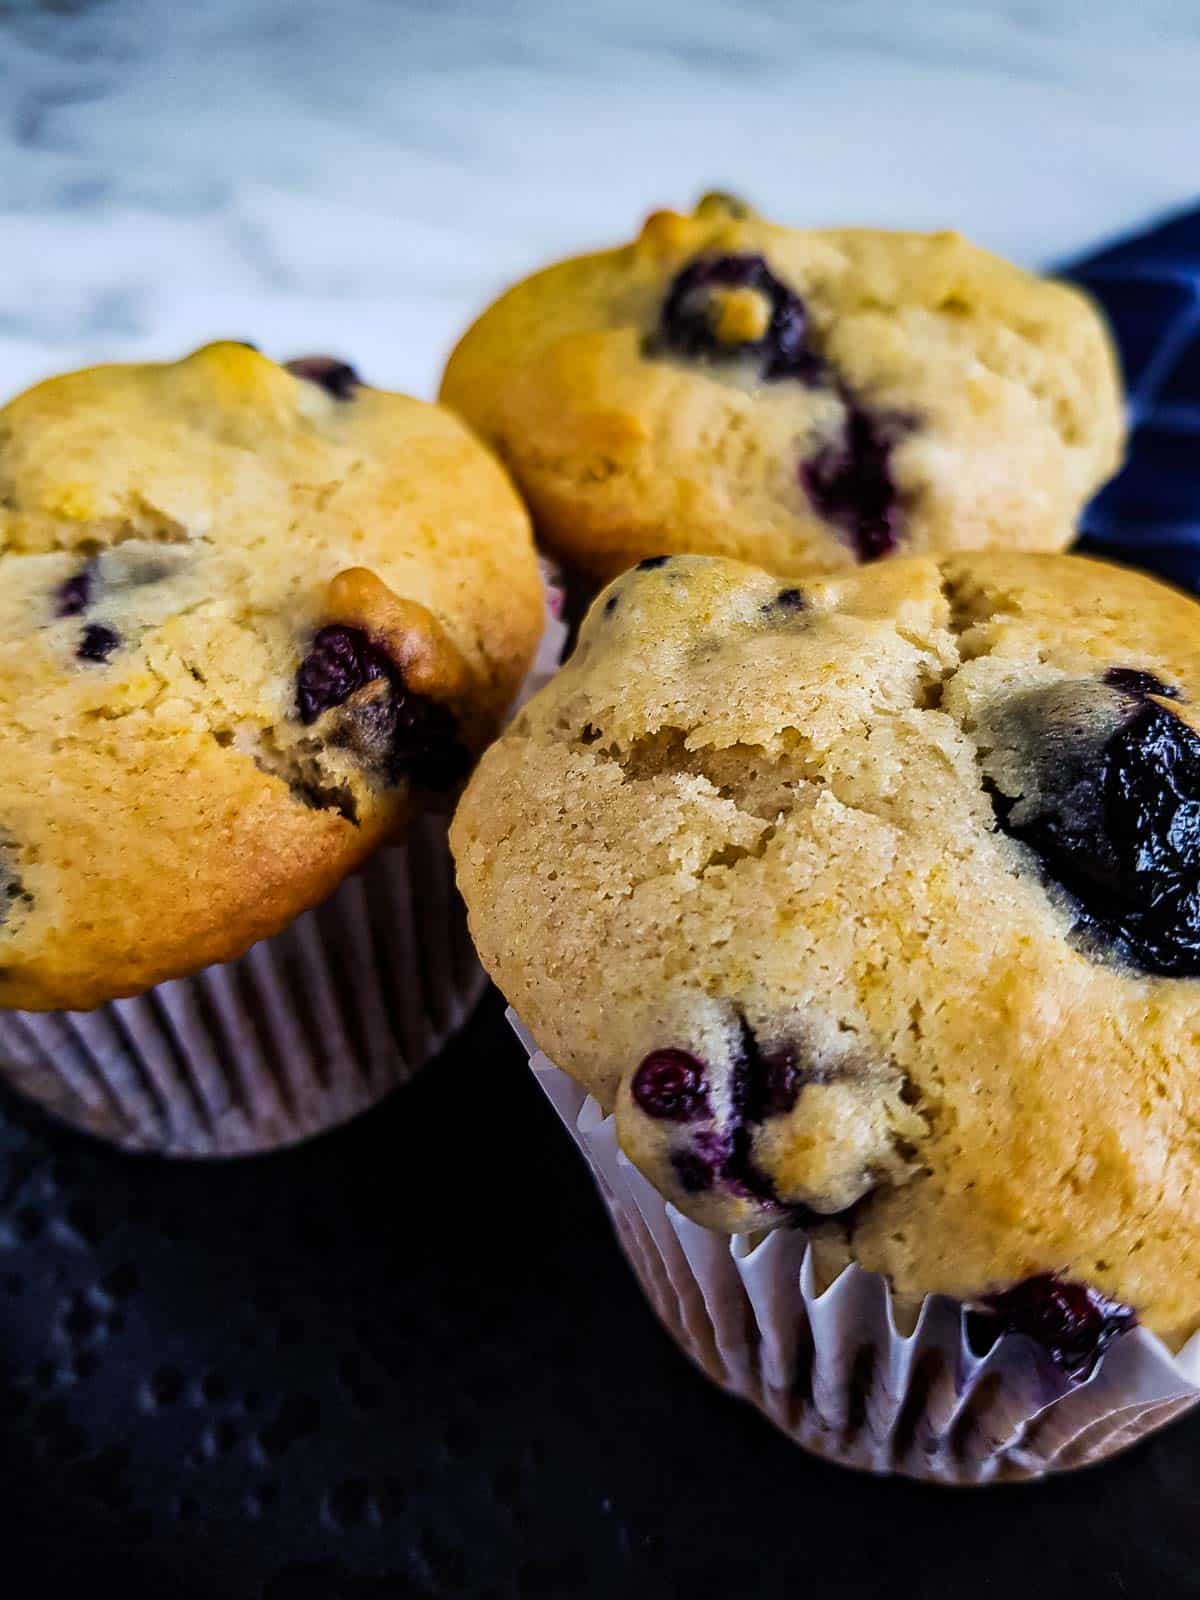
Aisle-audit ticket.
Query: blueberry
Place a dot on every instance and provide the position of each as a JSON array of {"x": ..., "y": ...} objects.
[
  {"x": 1139, "y": 685},
  {"x": 783, "y": 1079},
  {"x": 850, "y": 483},
  {"x": 669, "y": 1085},
  {"x": 762, "y": 1086},
  {"x": 337, "y": 378},
  {"x": 1072, "y": 1323},
  {"x": 74, "y": 594},
  {"x": 788, "y": 600},
  {"x": 425, "y": 746},
  {"x": 695, "y": 1174},
  {"x": 402, "y": 734},
  {"x": 768, "y": 1083},
  {"x": 687, "y": 321},
  {"x": 97, "y": 642},
  {"x": 849, "y": 479},
  {"x": 128, "y": 567},
  {"x": 718, "y": 1152},
  {"x": 340, "y": 661},
  {"x": 650, "y": 563},
  {"x": 1115, "y": 815}
]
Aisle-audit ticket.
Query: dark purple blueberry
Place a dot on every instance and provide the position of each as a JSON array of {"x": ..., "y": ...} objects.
[
  {"x": 1139, "y": 685},
  {"x": 340, "y": 661},
  {"x": 1072, "y": 1323},
  {"x": 337, "y": 378},
  {"x": 402, "y": 734},
  {"x": 742, "y": 1175},
  {"x": 850, "y": 483},
  {"x": 670, "y": 1085},
  {"x": 1116, "y": 819},
  {"x": 97, "y": 642},
  {"x": 695, "y": 1174},
  {"x": 649, "y": 563},
  {"x": 789, "y": 600},
  {"x": 783, "y": 1079},
  {"x": 761, "y": 1086},
  {"x": 767, "y": 1083},
  {"x": 686, "y": 328},
  {"x": 425, "y": 745},
  {"x": 74, "y": 594}
]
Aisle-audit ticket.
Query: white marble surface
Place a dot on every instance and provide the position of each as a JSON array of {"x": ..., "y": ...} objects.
[{"x": 358, "y": 176}]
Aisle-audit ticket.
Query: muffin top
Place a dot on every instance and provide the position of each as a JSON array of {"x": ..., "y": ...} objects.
[
  {"x": 874, "y": 904},
  {"x": 805, "y": 400},
  {"x": 249, "y": 619}
]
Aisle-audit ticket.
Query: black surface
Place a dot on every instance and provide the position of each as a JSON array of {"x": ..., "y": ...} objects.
[{"x": 284, "y": 1379}]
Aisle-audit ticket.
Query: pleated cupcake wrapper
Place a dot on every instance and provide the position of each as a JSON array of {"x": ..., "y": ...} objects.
[
  {"x": 830, "y": 1366},
  {"x": 302, "y": 1032}
]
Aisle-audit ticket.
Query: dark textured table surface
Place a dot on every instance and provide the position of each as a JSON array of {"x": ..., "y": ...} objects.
[{"x": 408, "y": 1360}]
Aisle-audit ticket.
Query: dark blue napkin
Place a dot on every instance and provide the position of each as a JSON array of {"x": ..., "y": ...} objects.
[{"x": 1149, "y": 285}]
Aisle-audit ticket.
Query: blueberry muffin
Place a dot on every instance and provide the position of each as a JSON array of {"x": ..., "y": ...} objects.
[
  {"x": 252, "y": 620},
  {"x": 804, "y": 400},
  {"x": 872, "y": 905}
]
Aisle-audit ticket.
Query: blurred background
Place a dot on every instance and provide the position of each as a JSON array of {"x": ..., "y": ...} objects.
[{"x": 360, "y": 176}]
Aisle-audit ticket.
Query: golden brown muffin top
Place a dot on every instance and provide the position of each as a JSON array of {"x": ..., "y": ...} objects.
[
  {"x": 804, "y": 400},
  {"x": 248, "y": 621},
  {"x": 875, "y": 899}
]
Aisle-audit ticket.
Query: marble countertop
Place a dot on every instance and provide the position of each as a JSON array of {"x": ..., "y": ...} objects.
[{"x": 360, "y": 177}]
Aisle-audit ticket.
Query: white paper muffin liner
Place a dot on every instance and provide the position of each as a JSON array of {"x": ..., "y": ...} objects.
[
  {"x": 831, "y": 1368},
  {"x": 303, "y": 1031}
]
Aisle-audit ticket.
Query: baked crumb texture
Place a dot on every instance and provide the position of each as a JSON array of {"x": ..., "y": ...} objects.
[
  {"x": 803, "y": 400},
  {"x": 761, "y": 868},
  {"x": 250, "y": 621}
]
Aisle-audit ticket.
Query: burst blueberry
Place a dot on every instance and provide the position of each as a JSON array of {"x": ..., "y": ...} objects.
[
  {"x": 849, "y": 479},
  {"x": 405, "y": 735},
  {"x": 690, "y": 319},
  {"x": 337, "y": 378},
  {"x": 425, "y": 746},
  {"x": 696, "y": 1175},
  {"x": 1122, "y": 836},
  {"x": 1138, "y": 684},
  {"x": 341, "y": 660},
  {"x": 97, "y": 642},
  {"x": 670, "y": 1086},
  {"x": 74, "y": 594},
  {"x": 850, "y": 483},
  {"x": 1073, "y": 1323}
]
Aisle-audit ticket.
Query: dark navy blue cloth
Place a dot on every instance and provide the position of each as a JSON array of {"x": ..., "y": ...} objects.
[{"x": 1149, "y": 285}]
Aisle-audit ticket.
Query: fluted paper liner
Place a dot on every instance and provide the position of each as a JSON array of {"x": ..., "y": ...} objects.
[
  {"x": 831, "y": 1368},
  {"x": 302, "y": 1032}
]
